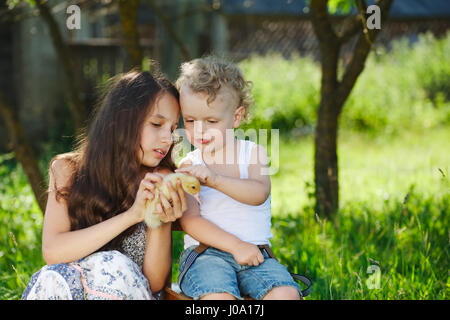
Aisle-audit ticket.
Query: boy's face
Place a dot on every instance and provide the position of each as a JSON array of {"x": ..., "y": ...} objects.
[{"x": 205, "y": 124}]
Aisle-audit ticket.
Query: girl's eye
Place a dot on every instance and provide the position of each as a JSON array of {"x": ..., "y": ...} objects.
[
  {"x": 156, "y": 125},
  {"x": 189, "y": 120},
  {"x": 212, "y": 121}
]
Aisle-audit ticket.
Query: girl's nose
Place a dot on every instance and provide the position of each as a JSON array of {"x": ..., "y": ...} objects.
[{"x": 167, "y": 137}]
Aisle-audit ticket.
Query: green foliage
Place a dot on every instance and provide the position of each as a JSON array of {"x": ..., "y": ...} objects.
[
  {"x": 340, "y": 6},
  {"x": 405, "y": 87},
  {"x": 20, "y": 230},
  {"x": 286, "y": 93}
]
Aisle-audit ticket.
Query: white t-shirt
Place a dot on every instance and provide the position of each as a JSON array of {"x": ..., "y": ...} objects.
[{"x": 248, "y": 223}]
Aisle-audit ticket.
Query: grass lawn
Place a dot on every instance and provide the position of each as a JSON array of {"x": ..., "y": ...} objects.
[
  {"x": 395, "y": 205},
  {"x": 390, "y": 239}
]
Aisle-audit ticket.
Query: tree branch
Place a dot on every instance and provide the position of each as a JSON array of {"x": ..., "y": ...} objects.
[
  {"x": 329, "y": 46},
  {"x": 171, "y": 31},
  {"x": 128, "y": 21},
  {"x": 75, "y": 104},
  {"x": 361, "y": 51},
  {"x": 351, "y": 26}
]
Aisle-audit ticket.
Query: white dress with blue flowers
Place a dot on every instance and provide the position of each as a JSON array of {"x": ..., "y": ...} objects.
[{"x": 104, "y": 275}]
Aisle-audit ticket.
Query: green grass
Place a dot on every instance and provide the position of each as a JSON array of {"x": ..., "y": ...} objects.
[
  {"x": 405, "y": 237},
  {"x": 20, "y": 230},
  {"x": 394, "y": 211}
]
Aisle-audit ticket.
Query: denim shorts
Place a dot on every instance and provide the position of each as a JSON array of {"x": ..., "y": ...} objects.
[{"x": 216, "y": 271}]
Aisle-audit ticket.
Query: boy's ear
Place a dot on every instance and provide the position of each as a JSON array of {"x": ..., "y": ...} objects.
[{"x": 238, "y": 116}]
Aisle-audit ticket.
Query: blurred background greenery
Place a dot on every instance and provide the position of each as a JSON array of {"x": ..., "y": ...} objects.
[{"x": 393, "y": 146}]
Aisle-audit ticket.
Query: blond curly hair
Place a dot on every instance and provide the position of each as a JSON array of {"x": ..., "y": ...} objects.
[{"x": 210, "y": 73}]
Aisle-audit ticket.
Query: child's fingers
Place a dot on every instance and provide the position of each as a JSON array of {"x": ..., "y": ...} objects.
[
  {"x": 175, "y": 201},
  {"x": 164, "y": 201},
  {"x": 159, "y": 211},
  {"x": 148, "y": 195},
  {"x": 182, "y": 196},
  {"x": 147, "y": 185},
  {"x": 153, "y": 177},
  {"x": 260, "y": 258},
  {"x": 184, "y": 169},
  {"x": 167, "y": 208}
]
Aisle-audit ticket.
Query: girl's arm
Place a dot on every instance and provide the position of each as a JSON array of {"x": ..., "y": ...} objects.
[
  {"x": 158, "y": 249},
  {"x": 252, "y": 191},
  {"x": 210, "y": 234},
  {"x": 158, "y": 256},
  {"x": 59, "y": 244}
]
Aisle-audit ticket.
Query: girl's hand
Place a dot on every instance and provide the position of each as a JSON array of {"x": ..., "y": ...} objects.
[
  {"x": 170, "y": 211},
  {"x": 145, "y": 193},
  {"x": 205, "y": 175},
  {"x": 247, "y": 254}
]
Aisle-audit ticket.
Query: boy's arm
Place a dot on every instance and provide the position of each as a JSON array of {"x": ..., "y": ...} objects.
[
  {"x": 208, "y": 233},
  {"x": 252, "y": 191}
]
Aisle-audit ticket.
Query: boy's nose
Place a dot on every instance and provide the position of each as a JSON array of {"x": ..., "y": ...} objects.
[{"x": 198, "y": 127}]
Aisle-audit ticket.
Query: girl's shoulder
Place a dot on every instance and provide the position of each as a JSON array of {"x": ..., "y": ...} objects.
[{"x": 62, "y": 168}]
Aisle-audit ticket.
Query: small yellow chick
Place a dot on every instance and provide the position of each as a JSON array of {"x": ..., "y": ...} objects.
[{"x": 190, "y": 185}]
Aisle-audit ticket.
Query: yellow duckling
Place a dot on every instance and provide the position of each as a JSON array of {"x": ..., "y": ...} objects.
[{"x": 190, "y": 185}]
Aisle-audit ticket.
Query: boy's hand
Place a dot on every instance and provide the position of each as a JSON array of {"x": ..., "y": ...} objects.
[
  {"x": 205, "y": 175},
  {"x": 247, "y": 254}
]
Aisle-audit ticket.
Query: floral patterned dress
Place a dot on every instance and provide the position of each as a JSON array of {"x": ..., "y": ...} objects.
[{"x": 104, "y": 275}]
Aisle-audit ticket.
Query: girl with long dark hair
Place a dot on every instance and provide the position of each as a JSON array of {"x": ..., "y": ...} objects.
[{"x": 94, "y": 240}]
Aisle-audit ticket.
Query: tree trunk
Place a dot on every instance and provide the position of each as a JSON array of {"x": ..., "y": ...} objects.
[
  {"x": 334, "y": 93},
  {"x": 325, "y": 159},
  {"x": 76, "y": 106},
  {"x": 128, "y": 21},
  {"x": 24, "y": 154}
]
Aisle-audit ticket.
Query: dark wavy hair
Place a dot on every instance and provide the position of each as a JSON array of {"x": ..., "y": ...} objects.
[{"x": 106, "y": 168}]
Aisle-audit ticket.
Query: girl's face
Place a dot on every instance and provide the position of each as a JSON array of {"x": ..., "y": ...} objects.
[
  {"x": 206, "y": 125},
  {"x": 156, "y": 135}
]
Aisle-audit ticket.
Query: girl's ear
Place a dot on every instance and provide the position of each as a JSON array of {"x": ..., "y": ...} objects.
[{"x": 238, "y": 116}]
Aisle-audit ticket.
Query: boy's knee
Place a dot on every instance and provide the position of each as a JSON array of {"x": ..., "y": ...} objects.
[
  {"x": 283, "y": 293},
  {"x": 218, "y": 296}
]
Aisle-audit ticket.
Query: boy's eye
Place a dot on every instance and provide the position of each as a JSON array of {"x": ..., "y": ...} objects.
[
  {"x": 189, "y": 120},
  {"x": 156, "y": 124},
  {"x": 212, "y": 121}
]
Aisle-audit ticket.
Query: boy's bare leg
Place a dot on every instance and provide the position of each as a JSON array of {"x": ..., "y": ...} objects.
[
  {"x": 282, "y": 293},
  {"x": 218, "y": 296}
]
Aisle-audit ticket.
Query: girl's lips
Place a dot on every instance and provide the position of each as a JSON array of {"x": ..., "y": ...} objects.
[{"x": 159, "y": 154}]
